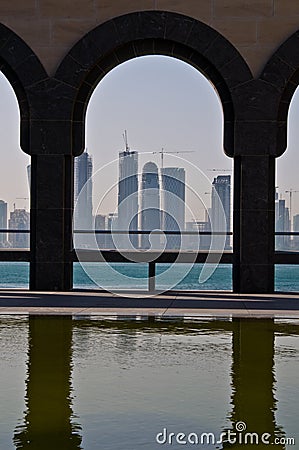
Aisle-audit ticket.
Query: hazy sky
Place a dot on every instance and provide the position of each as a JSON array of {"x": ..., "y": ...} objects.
[
  {"x": 161, "y": 102},
  {"x": 13, "y": 176}
]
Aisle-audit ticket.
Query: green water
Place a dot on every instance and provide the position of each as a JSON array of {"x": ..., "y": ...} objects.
[{"x": 87, "y": 384}]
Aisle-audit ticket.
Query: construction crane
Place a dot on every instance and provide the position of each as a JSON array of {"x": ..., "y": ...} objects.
[
  {"x": 291, "y": 192},
  {"x": 220, "y": 170},
  {"x": 162, "y": 153}
]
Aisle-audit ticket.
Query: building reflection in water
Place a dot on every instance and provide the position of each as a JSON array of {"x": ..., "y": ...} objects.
[
  {"x": 48, "y": 421},
  {"x": 253, "y": 400}
]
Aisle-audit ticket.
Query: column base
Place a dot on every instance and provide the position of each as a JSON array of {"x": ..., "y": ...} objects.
[{"x": 254, "y": 279}]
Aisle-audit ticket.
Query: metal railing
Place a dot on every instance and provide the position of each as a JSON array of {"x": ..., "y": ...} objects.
[
  {"x": 12, "y": 230},
  {"x": 156, "y": 256},
  {"x": 286, "y": 233},
  {"x": 170, "y": 232},
  {"x": 288, "y": 256},
  {"x": 287, "y": 253},
  {"x": 14, "y": 254}
]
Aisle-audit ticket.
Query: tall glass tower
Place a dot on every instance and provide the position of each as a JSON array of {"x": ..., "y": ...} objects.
[
  {"x": 173, "y": 185},
  {"x": 282, "y": 223},
  {"x": 128, "y": 196},
  {"x": 19, "y": 220},
  {"x": 3, "y": 222},
  {"x": 221, "y": 195},
  {"x": 150, "y": 205},
  {"x": 83, "y": 191}
]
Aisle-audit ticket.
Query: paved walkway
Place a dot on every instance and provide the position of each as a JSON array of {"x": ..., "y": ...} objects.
[{"x": 169, "y": 305}]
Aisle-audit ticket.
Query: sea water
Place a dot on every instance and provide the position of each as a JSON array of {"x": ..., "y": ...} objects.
[{"x": 134, "y": 276}]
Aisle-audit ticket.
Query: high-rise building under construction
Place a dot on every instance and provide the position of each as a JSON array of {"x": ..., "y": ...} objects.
[{"x": 128, "y": 197}]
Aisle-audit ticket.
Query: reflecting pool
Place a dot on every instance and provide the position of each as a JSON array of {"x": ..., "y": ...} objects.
[{"x": 71, "y": 383}]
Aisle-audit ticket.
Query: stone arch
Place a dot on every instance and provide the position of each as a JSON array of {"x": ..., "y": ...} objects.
[
  {"x": 144, "y": 33},
  {"x": 23, "y": 69},
  {"x": 282, "y": 74}
]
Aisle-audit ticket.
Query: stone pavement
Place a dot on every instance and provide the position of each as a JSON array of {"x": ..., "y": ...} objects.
[{"x": 173, "y": 304}]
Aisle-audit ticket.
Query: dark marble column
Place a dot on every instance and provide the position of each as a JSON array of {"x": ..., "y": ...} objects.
[
  {"x": 254, "y": 224},
  {"x": 51, "y": 222}
]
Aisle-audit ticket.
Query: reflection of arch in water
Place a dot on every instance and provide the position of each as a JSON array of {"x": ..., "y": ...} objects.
[
  {"x": 48, "y": 421},
  {"x": 253, "y": 379}
]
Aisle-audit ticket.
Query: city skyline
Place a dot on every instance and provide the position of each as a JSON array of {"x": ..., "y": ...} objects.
[
  {"x": 145, "y": 200},
  {"x": 165, "y": 116},
  {"x": 156, "y": 200},
  {"x": 152, "y": 179},
  {"x": 19, "y": 219}
]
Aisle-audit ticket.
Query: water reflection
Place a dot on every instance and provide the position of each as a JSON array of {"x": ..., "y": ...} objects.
[
  {"x": 48, "y": 421},
  {"x": 253, "y": 400}
]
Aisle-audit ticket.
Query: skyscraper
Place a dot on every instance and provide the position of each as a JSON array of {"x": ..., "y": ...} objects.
[
  {"x": 296, "y": 229},
  {"x": 19, "y": 220},
  {"x": 3, "y": 222},
  {"x": 111, "y": 224},
  {"x": 150, "y": 204},
  {"x": 100, "y": 224},
  {"x": 83, "y": 191},
  {"x": 173, "y": 207},
  {"x": 29, "y": 176},
  {"x": 128, "y": 196},
  {"x": 196, "y": 242},
  {"x": 282, "y": 223},
  {"x": 221, "y": 206}
]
